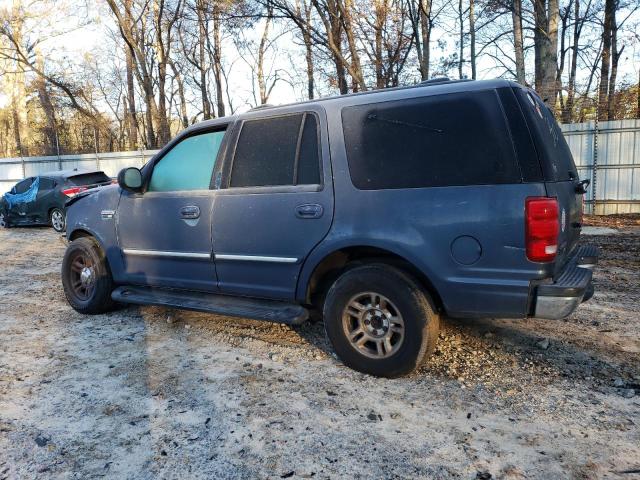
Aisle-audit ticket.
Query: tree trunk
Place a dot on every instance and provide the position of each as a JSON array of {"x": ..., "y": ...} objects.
[
  {"x": 567, "y": 113},
  {"x": 425, "y": 26},
  {"x": 472, "y": 36},
  {"x": 47, "y": 107},
  {"x": 603, "y": 90},
  {"x": 615, "y": 57},
  {"x": 354, "y": 68},
  {"x": 164, "y": 134},
  {"x": 638, "y": 95},
  {"x": 518, "y": 42},
  {"x": 262, "y": 84},
  {"x": 16, "y": 128},
  {"x": 130, "y": 105},
  {"x": 546, "y": 49},
  {"x": 308, "y": 46},
  {"x": 564, "y": 20},
  {"x": 217, "y": 60},
  {"x": 184, "y": 118},
  {"x": 202, "y": 38},
  {"x": 380, "y": 17},
  {"x": 461, "y": 50},
  {"x": 334, "y": 39}
]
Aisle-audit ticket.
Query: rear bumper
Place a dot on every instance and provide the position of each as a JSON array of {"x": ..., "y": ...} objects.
[{"x": 557, "y": 298}]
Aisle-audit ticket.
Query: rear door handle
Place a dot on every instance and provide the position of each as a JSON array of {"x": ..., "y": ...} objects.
[
  {"x": 309, "y": 210},
  {"x": 190, "y": 212}
]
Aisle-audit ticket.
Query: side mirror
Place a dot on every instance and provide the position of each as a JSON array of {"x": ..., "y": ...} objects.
[{"x": 130, "y": 179}]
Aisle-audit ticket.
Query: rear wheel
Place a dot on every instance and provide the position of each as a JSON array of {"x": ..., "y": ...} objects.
[
  {"x": 86, "y": 277},
  {"x": 380, "y": 321},
  {"x": 4, "y": 221},
  {"x": 57, "y": 220}
]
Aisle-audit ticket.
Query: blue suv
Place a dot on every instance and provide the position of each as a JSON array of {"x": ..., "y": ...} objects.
[{"x": 381, "y": 210}]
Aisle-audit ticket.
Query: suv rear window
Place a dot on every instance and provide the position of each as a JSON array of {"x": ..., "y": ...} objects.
[
  {"x": 553, "y": 151},
  {"x": 89, "y": 178},
  {"x": 452, "y": 139}
]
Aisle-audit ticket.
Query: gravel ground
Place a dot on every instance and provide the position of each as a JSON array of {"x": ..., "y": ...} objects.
[{"x": 157, "y": 393}]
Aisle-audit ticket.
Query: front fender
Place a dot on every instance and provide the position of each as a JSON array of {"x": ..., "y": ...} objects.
[{"x": 95, "y": 214}]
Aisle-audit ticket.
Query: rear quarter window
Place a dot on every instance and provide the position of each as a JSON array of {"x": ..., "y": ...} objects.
[
  {"x": 452, "y": 139},
  {"x": 47, "y": 183},
  {"x": 554, "y": 154}
]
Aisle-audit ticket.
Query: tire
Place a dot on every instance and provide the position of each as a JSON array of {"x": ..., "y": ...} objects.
[
  {"x": 375, "y": 303},
  {"x": 57, "y": 220},
  {"x": 86, "y": 277},
  {"x": 4, "y": 219}
]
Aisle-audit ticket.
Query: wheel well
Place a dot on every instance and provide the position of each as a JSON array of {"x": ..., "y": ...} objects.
[
  {"x": 51, "y": 209},
  {"x": 79, "y": 233},
  {"x": 334, "y": 264}
]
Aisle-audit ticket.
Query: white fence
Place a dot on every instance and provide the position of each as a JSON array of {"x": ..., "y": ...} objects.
[
  {"x": 607, "y": 153},
  {"x": 15, "y": 169}
]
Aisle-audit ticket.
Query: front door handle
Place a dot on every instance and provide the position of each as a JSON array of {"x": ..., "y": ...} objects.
[
  {"x": 190, "y": 212},
  {"x": 309, "y": 210}
]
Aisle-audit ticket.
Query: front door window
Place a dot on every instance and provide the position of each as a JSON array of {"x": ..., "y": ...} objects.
[{"x": 188, "y": 165}]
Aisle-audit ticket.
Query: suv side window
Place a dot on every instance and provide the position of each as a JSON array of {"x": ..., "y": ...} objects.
[
  {"x": 277, "y": 151},
  {"x": 440, "y": 140},
  {"x": 188, "y": 165}
]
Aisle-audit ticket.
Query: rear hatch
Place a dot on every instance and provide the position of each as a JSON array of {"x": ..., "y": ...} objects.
[{"x": 558, "y": 168}]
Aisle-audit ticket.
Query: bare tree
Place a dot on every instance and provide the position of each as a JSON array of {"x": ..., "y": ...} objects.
[
  {"x": 518, "y": 41},
  {"x": 546, "y": 13}
]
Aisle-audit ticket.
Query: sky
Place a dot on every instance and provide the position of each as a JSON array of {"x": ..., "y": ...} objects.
[{"x": 72, "y": 41}]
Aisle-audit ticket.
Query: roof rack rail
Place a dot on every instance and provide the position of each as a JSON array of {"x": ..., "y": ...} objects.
[
  {"x": 435, "y": 80},
  {"x": 439, "y": 80},
  {"x": 260, "y": 107}
]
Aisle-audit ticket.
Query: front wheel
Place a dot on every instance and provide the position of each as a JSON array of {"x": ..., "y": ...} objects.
[
  {"x": 380, "y": 320},
  {"x": 86, "y": 277},
  {"x": 57, "y": 220}
]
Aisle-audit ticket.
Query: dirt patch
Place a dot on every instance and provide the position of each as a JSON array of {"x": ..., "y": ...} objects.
[
  {"x": 153, "y": 392},
  {"x": 615, "y": 221}
]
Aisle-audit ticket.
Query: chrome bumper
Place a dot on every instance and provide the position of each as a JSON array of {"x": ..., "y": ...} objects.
[{"x": 559, "y": 298}]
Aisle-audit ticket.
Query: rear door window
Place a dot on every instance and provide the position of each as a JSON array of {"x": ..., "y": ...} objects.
[
  {"x": 266, "y": 152},
  {"x": 188, "y": 165},
  {"x": 452, "y": 139},
  {"x": 277, "y": 151}
]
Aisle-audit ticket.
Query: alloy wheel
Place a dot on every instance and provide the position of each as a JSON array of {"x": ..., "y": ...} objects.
[
  {"x": 57, "y": 220},
  {"x": 373, "y": 325},
  {"x": 82, "y": 274}
]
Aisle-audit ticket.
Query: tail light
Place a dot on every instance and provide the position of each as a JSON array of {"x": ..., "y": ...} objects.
[
  {"x": 542, "y": 228},
  {"x": 73, "y": 191}
]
